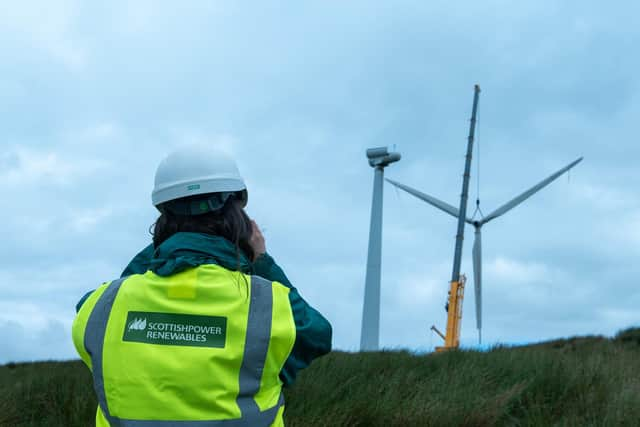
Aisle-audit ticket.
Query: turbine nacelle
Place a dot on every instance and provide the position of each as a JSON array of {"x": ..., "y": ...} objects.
[{"x": 381, "y": 157}]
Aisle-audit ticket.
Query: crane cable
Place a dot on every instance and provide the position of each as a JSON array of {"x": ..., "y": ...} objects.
[{"x": 478, "y": 210}]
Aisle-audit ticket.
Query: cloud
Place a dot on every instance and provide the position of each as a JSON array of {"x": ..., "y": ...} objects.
[
  {"x": 22, "y": 343},
  {"x": 502, "y": 268},
  {"x": 54, "y": 35},
  {"x": 613, "y": 316},
  {"x": 624, "y": 231},
  {"x": 87, "y": 220},
  {"x": 195, "y": 136},
  {"x": 25, "y": 166},
  {"x": 605, "y": 197},
  {"x": 102, "y": 132}
]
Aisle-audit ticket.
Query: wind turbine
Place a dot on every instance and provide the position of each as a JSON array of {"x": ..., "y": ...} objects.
[
  {"x": 379, "y": 158},
  {"x": 477, "y": 224}
]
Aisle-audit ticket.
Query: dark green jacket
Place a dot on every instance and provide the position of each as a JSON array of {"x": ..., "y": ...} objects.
[{"x": 186, "y": 250}]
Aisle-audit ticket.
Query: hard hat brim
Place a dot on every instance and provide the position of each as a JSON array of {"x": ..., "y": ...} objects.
[{"x": 178, "y": 190}]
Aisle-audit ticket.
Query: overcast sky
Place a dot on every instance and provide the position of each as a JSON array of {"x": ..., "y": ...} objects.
[{"x": 92, "y": 97}]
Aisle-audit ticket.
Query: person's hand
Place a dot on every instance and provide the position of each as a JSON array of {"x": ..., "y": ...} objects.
[{"x": 256, "y": 241}]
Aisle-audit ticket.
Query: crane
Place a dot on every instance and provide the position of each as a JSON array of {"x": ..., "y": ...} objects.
[{"x": 456, "y": 286}]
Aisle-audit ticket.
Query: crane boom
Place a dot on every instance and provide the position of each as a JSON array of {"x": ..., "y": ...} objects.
[
  {"x": 464, "y": 196},
  {"x": 456, "y": 289}
]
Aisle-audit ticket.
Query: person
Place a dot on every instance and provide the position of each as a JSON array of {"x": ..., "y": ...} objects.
[{"x": 203, "y": 328}]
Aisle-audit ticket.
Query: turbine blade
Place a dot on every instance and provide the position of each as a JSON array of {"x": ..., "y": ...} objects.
[
  {"x": 530, "y": 192},
  {"x": 477, "y": 276},
  {"x": 443, "y": 206}
]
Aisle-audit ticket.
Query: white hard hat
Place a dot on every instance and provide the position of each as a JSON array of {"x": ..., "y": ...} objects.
[{"x": 196, "y": 170}]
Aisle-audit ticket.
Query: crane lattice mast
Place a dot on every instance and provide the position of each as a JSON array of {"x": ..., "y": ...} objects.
[{"x": 456, "y": 289}]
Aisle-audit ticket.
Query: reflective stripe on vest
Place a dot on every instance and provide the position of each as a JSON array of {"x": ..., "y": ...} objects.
[{"x": 258, "y": 334}]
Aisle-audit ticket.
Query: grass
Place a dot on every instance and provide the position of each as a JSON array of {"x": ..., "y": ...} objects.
[
  {"x": 581, "y": 381},
  {"x": 51, "y": 394}
]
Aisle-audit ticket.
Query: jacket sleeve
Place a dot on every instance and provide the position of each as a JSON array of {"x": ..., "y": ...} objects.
[{"x": 313, "y": 331}]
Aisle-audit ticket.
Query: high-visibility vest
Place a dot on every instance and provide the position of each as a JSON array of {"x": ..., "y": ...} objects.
[{"x": 201, "y": 348}]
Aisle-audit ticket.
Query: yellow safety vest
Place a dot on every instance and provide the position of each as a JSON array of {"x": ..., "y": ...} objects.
[{"x": 201, "y": 348}]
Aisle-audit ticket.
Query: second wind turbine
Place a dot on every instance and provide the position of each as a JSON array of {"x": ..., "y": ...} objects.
[{"x": 460, "y": 214}]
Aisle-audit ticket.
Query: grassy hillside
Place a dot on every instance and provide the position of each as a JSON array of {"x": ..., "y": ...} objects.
[{"x": 575, "y": 382}]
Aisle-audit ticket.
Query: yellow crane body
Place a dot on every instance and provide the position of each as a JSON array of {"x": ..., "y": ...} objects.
[{"x": 454, "y": 316}]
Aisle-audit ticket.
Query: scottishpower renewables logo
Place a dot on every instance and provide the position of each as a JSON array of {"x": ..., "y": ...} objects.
[
  {"x": 138, "y": 325},
  {"x": 175, "y": 329}
]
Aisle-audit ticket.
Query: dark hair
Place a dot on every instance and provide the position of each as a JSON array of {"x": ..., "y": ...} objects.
[{"x": 230, "y": 222}]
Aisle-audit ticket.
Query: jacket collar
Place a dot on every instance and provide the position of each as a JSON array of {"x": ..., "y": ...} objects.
[{"x": 186, "y": 250}]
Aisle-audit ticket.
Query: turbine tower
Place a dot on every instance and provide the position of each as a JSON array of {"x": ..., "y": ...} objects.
[
  {"x": 379, "y": 158},
  {"x": 477, "y": 244}
]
